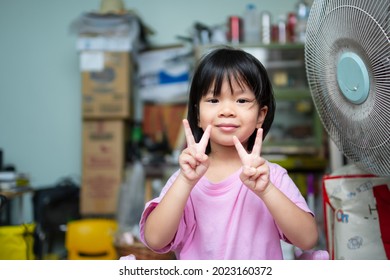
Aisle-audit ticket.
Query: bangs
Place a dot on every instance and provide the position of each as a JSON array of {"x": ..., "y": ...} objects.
[{"x": 222, "y": 74}]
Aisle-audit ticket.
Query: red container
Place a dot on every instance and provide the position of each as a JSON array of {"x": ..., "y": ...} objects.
[
  {"x": 235, "y": 30},
  {"x": 290, "y": 27}
]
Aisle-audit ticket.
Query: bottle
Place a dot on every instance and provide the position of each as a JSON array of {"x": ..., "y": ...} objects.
[
  {"x": 135, "y": 145},
  {"x": 235, "y": 34},
  {"x": 251, "y": 24},
  {"x": 265, "y": 31},
  {"x": 302, "y": 14},
  {"x": 290, "y": 27},
  {"x": 282, "y": 36}
]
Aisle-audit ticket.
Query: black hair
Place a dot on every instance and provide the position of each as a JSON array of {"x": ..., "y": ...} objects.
[{"x": 227, "y": 63}]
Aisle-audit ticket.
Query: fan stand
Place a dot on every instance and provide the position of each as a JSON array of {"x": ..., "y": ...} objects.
[{"x": 335, "y": 156}]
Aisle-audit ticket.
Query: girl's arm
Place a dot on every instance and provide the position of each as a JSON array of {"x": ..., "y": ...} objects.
[
  {"x": 298, "y": 226},
  {"x": 162, "y": 223}
]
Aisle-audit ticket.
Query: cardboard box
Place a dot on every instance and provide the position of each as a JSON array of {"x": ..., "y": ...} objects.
[
  {"x": 106, "y": 84},
  {"x": 103, "y": 164},
  {"x": 106, "y": 106}
]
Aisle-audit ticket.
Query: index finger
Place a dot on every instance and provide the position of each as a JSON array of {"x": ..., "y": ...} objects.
[
  {"x": 187, "y": 130},
  {"x": 258, "y": 142}
]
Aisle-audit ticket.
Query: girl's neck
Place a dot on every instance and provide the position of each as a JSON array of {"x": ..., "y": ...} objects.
[
  {"x": 223, "y": 162},
  {"x": 219, "y": 152}
]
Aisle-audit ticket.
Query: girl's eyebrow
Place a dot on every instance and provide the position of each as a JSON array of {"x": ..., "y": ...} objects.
[{"x": 242, "y": 90}]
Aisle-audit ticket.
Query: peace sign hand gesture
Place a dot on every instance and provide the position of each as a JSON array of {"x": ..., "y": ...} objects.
[
  {"x": 193, "y": 160},
  {"x": 255, "y": 172}
]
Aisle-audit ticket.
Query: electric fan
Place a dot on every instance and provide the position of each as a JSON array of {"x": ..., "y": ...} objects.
[{"x": 347, "y": 57}]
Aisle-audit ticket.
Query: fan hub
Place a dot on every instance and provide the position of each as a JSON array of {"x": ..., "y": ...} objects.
[{"x": 352, "y": 77}]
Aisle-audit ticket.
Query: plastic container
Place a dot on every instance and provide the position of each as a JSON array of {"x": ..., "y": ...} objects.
[
  {"x": 290, "y": 27},
  {"x": 234, "y": 34},
  {"x": 266, "y": 26},
  {"x": 282, "y": 31},
  {"x": 302, "y": 14},
  {"x": 251, "y": 21}
]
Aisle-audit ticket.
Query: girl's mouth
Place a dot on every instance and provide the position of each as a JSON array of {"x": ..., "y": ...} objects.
[{"x": 227, "y": 127}]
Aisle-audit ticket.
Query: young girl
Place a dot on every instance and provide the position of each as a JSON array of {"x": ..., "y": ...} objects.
[{"x": 226, "y": 201}]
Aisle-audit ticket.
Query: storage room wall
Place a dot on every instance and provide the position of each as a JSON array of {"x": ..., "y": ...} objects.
[{"x": 40, "y": 121}]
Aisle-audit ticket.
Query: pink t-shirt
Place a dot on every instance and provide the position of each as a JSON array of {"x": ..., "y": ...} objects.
[{"x": 228, "y": 221}]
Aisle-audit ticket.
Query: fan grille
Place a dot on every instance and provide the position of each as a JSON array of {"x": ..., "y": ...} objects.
[{"x": 361, "y": 27}]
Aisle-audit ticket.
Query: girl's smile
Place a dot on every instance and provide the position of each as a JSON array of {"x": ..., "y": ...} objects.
[{"x": 227, "y": 127}]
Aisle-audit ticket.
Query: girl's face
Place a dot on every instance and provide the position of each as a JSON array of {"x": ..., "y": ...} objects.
[{"x": 234, "y": 111}]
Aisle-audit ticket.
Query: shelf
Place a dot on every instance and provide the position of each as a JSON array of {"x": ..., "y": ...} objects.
[
  {"x": 300, "y": 163},
  {"x": 288, "y": 46},
  {"x": 284, "y": 64},
  {"x": 292, "y": 93}
]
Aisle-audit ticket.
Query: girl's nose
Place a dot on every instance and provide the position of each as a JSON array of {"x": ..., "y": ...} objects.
[{"x": 226, "y": 110}]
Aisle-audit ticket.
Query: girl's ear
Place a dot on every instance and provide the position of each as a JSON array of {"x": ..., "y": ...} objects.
[{"x": 261, "y": 117}]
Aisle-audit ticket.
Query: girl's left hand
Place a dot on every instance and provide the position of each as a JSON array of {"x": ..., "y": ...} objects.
[{"x": 255, "y": 172}]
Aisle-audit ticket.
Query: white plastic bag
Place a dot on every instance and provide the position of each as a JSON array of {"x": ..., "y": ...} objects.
[
  {"x": 357, "y": 214},
  {"x": 131, "y": 203}
]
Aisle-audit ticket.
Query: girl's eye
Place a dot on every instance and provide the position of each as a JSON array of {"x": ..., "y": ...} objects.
[
  {"x": 212, "y": 100},
  {"x": 242, "y": 101}
]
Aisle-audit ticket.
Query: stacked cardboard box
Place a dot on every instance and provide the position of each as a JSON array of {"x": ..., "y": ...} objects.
[
  {"x": 107, "y": 44},
  {"x": 106, "y": 108}
]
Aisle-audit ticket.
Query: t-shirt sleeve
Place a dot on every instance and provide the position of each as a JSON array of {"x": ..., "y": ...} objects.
[
  {"x": 281, "y": 179},
  {"x": 149, "y": 207}
]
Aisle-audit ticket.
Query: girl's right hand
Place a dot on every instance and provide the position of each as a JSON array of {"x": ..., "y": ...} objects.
[{"x": 193, "y": 160}]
